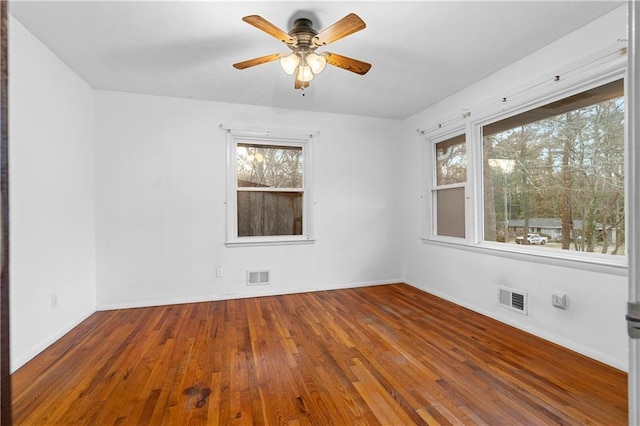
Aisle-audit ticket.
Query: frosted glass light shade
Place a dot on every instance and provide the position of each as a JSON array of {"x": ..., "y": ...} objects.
[
  {"x": 289, "y": 63},
  {"x": 304, "y": 73},
  {"x": 316, "y": 62}
]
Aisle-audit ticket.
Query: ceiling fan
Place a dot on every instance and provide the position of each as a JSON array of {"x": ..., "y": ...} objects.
[{"x": 303, "y": 40}]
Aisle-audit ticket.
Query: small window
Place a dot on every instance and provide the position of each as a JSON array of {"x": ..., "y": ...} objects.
[
  {"x": 554, "y": 175},
  {"x": 270, "y": 189},
  {"x": 268, "y": 194},
  {"x": 448, "y": 195}
]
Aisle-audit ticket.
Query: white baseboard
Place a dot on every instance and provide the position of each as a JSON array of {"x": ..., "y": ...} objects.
[
  {"x": 543, "y": 334},
  {"x": 359, "y": 284},
  {"x": 19, "y": 360},
  {"x": 257, "y": 292}
]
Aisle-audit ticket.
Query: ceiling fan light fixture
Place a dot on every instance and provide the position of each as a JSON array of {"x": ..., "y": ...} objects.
[
  {"x": 303, "y": 40},
  {"x": 304, "y": 73},
  {"x": 289, "y": 63},
  {"x": 316, "y": 62}
]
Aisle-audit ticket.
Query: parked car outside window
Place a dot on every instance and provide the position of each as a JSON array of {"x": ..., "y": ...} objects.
[{"x": 533, "y": 239}]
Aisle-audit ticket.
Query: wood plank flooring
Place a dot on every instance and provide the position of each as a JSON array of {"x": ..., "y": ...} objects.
[{"x": 390, "y": 355}]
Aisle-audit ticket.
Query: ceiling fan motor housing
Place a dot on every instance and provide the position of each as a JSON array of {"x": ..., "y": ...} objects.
[{"x": 302, "y": 34}]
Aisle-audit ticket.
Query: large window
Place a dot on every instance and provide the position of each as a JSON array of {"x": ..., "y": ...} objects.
[
  {"x": 554, "y": 176},
  {"x": 268, "y": 195},
  {"x": 548, "y": 180}
]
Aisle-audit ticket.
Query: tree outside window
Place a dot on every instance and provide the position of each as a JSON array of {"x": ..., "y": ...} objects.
[{"x": 554, "y": 176}]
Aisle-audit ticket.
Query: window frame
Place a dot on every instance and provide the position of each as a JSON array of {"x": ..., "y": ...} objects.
[
  {"x": 433, "y": 188},
  {"x": 301, "y": 140},
  {"x": 474, "y": 240}
]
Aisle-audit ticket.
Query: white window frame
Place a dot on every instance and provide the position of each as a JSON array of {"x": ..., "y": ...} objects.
[
  {"x": 432, "y": 189},
  {"x": 286, "y": 139},
  {"x": 474, "y": 241}
]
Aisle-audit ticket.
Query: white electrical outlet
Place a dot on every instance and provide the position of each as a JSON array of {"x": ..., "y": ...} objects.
[
  {"x": 54, "y": 300},
  {"x": 559, "y": 300},
  {"x": 219, "y": 272}
]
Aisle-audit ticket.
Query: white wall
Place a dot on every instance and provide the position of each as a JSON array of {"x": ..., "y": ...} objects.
[
  {"x": 52, "y": 196},
  {"x": 161, "y": 191},
  {"x": 594, "y": 323}
]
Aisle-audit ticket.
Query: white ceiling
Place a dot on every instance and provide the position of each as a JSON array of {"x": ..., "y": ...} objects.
[{"x": 421, "y": 52}]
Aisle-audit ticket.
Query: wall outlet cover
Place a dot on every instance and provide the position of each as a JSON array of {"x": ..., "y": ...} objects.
[{"x": 559, "y": 300}]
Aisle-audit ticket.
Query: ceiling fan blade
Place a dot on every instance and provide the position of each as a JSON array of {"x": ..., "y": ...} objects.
[
  {"x": 301, "y": 84},
  {"x": 257, "y": 61},
  {"x": 262, "y": 24},
  {"x": 346, "y": 63},
  {"x": 344, "y": 27}
]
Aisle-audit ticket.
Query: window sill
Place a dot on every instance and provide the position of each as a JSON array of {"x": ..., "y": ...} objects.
[
  {"x": 269, "y": 241},
  {"x": 567, "y": 260}
]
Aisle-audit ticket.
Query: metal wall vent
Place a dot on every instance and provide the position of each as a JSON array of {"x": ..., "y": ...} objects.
[
  {"x": 258, "y": 277},
  {"x": 513, "y": 299}
]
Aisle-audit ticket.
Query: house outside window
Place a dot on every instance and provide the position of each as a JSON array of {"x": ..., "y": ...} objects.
[{"x": 267, "y": 194}]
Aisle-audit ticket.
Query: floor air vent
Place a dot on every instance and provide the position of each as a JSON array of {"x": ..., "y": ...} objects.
[
  {"x": 513, "y": 299},
  {"x": 258, "y": 277}
]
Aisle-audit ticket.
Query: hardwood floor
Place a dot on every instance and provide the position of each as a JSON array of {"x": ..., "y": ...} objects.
[{"x": 376, "y": 355}]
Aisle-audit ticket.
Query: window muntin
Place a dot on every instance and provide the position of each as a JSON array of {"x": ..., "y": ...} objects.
[
  {"x": 448, "y": 194},
  {"x": 553, "y": 177},
  {"x": 267, "y": 197}
]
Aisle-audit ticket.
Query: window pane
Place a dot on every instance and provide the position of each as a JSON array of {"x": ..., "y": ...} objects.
[
  {"x": 450, "y": 212},
  {"x": 451, "y": 161},
  {"x": 269, "y": 213},
  {"x": 269, "y": 166},
  {"x": 558, "y": 181}
]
